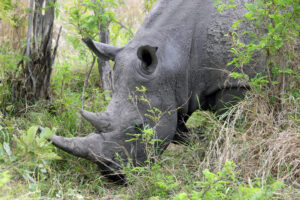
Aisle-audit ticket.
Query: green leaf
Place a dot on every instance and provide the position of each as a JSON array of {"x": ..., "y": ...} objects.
[
  {"x": 29, "y": 138},
  {"x": 237, "y": 24},
  {"x": 209, "y": 175},
  {"x": 237, "y": 75},
  {"x": 9, "y": 108},
  {"x": 4, "y": 178},
  {"x": 48, "y": 156},
  {"x": 46, "y": 133},
  {"x": 287, "y": 71},
  {"x": 6, "y": 147},
  {"x": 181, "y": 196}
]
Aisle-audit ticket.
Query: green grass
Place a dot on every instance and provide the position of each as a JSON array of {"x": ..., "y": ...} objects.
[{"x": 177, "y": 174}]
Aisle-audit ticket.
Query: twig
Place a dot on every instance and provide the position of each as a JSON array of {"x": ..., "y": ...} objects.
[
  {"x": 86, "y": 80},
  {"x": 84, "y": 87},
  {"x": 124, "y": 26},
  {"x": 55, "y": 48},
  {"x": 14, "y": 81}
]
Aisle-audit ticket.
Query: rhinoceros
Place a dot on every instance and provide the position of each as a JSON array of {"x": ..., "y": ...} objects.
[{"x": 179, "y": 56}]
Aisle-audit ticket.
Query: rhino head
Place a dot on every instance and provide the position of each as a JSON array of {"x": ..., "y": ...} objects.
[{"x": 115, "y": 139}]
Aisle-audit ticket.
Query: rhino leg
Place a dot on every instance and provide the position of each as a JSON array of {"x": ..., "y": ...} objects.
[
  {"x": 183, "y": 134},
  {"x": 218, "y": 102},
  {"x": 221, "y": 100},
  {"x": 228, "y": 97}
]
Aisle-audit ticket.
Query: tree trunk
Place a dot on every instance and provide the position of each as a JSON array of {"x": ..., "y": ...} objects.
[
  {"x": 104, "y": 67},
  {"x": 32, "y": 81}
]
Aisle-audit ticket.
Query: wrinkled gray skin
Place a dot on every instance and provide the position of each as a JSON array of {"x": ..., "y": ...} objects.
[{"x": 179, "y": 54}]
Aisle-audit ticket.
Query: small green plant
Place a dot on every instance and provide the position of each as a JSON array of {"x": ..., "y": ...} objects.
[
  {"x": 9, "y": 15},
  {"x": 90, "y": 25},
  {"x": 221, "y": 5},
  {"x": 8, "y": 62},
  {"x": 148, "y": 4},
  {"x": 147, "y": 135},
  {"x": 225, "y": 185},
  {"x": 5, "y": 178},
  {"x": 275, "y": 34},
  {"x": 153, "y": 181},
  {"x": 33, "y": 153},
  {"x": 87, "y": 24},
  {"x": 62, "y": 79},
  {"x": 28, "y": 157},
  {"x": 153, "y": 113}
]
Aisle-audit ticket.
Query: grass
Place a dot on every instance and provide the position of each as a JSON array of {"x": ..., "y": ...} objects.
[{"x": 265, "y": 161}]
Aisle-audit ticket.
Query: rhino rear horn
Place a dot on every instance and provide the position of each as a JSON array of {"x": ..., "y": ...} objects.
[
  {"x": 104, "y": 51},
  {"x": 98, "y": 120}
]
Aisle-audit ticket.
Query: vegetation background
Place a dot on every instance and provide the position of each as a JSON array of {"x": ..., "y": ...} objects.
[{"x": 255, "y": 154}]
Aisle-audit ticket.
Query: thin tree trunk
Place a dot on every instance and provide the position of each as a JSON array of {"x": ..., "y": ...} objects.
[
  {"x": 104, "y": 67},
  {"x": 27, "y": 53},
  {"x": 33, "y": 80}
]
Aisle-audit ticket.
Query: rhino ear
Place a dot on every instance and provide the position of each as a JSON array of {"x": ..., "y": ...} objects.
[
  {"x": 104, "y": 51},
  {"x": 147, "y": 54}
]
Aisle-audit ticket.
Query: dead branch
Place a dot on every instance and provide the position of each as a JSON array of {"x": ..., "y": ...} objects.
[
  {"x": 55, "y": 48},
  {"x": 124, "y": 27}
]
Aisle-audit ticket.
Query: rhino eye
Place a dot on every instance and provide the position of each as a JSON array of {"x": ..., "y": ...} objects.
[{"x": 147, "y": 55}]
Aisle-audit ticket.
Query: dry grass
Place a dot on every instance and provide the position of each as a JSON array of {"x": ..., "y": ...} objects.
[{"x": 261, "y": 143}]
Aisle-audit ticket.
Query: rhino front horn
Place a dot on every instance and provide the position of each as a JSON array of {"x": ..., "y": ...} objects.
[{"x": 85, "y": 147}]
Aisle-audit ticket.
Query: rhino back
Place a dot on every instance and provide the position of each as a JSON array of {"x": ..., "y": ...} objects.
[{"x": 198, "y": 32}]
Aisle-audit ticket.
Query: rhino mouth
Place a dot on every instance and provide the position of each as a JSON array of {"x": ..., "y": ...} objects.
[{"x": 91, "y": 147}]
